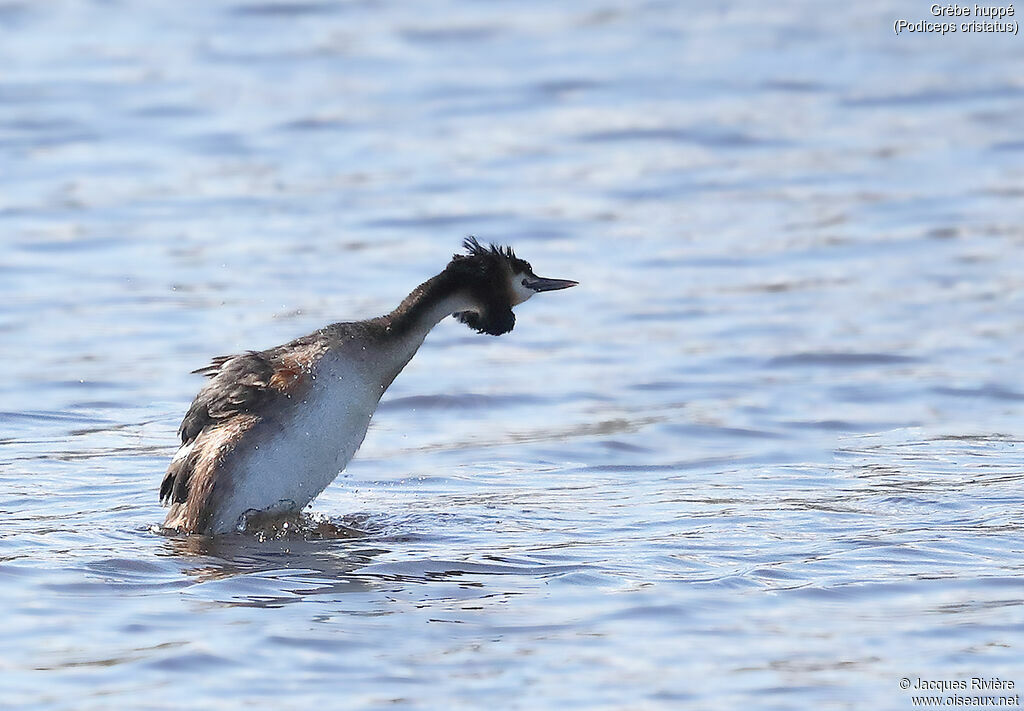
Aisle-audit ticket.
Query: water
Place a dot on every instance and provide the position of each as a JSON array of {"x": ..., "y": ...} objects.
[{"x": 767, "y": 455}]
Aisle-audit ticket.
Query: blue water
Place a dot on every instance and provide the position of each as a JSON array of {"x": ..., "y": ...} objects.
[{"x": 768, "y": 455}]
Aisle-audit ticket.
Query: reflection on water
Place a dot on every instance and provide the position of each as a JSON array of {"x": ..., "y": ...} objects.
[
  {"x": 766, "y": 455},
  {"x": 241, "y": 569}
]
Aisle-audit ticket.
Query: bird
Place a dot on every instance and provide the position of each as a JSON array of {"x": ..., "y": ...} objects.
[{"x": 271, "y": 429}]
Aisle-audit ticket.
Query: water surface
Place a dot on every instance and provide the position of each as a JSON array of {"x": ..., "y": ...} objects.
[{"x": 767, "y": 455}]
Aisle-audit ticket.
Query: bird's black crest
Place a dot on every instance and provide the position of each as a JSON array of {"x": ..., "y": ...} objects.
[{"x": 474, "y": 250}]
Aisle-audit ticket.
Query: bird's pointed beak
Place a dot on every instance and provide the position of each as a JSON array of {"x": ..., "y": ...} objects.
[{"x": 541, "y": 284}]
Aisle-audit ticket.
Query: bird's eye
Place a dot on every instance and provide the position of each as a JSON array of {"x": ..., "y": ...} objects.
[{"x": 524, "y": 282}]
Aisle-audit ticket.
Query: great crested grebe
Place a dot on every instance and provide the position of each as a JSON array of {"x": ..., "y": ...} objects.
[{"x": 273, "y": 428}]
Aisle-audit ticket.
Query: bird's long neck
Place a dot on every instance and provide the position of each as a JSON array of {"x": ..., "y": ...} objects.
[
  {"x": 405, "y": 328},
  {"x": 426, "y": 305}
]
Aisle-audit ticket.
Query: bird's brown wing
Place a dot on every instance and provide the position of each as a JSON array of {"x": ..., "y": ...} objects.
[
  {"x": 239, "y": 385},
  {"x": 241, "y": 390}
]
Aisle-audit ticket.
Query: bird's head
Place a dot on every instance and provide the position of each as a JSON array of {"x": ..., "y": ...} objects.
[{"x": 495, "y": 279}]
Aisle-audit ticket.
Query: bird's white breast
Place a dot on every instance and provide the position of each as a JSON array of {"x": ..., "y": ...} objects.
[{"x": 296, "y": 451}]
